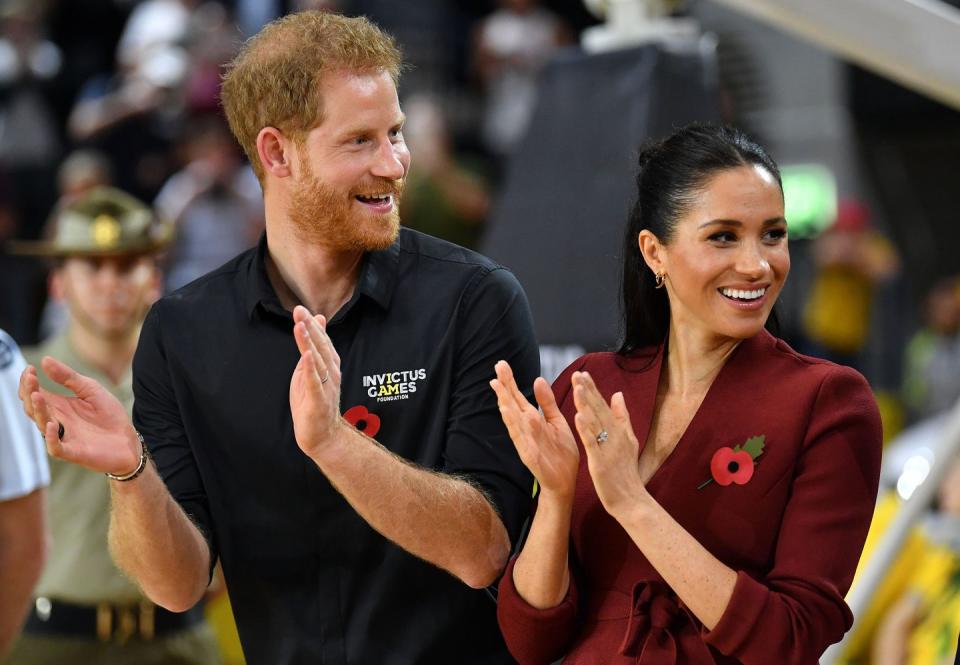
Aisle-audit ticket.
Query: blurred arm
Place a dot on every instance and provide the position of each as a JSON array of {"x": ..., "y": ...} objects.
[{"x": 22, "y": 555}]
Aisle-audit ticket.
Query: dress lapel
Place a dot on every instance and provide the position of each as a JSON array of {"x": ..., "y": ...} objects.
[{"x": 729, "y": 393}]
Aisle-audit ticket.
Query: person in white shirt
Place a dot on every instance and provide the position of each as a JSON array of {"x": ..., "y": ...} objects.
[{"x": 23, "y": 477}]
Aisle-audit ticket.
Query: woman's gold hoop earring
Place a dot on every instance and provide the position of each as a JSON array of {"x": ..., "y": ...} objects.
[{"x": 658, "y": 280}]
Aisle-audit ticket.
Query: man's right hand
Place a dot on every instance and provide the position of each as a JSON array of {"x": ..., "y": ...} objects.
[{"x": 97, "y": 434}]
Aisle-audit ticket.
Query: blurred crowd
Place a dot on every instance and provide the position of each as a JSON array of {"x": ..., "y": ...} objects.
[
  {"x": 914, "y": 616},
  {"x": 123, "y": 93}
]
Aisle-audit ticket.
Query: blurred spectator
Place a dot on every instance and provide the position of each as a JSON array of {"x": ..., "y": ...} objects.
[
  {"x": 80, "y": 172},
  {"x": 212, "y": 41},
  {"x": 29, "y": 135},
  {"x": 931, "y": 375},
  {"x": 317, "y": 5},
  {"x": 23, "y": 475},
  {"x": 134, "y": 115},
  {"x": 8, "y": 218},
  {"x": 87, "y": 32},
  {"x": 442, "y": 197},
  {"x": 510, "y": 48},
  {"x": 851, "y": 259},
  {"x": 215, "y": 203},
  {"x": 86, "y": 609},
  {"x": 252, "y": 15},
  {"x": 920, "y": 628},
  {"x": 22, "y": 279},
  {"x": 154, "y": 26}
]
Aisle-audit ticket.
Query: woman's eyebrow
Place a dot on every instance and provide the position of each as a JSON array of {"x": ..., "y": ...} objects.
[{"x": 737, "y": 222}]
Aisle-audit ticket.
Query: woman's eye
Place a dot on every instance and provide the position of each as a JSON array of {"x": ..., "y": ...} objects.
[
  {"x": 722, "y": 237},
  {"x": 775, "y": 235}
]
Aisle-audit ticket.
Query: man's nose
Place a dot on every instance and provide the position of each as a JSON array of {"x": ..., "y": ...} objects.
[
  {"x": 108, "y": 275},
  {"x": 392, "y": 160}
]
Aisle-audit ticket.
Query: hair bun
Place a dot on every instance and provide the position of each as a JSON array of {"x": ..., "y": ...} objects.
[{"x": 647, "y": 152}]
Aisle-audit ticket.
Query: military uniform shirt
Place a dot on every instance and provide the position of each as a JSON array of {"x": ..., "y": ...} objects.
[{"x": 79, "y": 568}]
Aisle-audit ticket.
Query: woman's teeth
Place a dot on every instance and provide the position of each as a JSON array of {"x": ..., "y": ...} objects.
[{"x": 739, "y": 294}]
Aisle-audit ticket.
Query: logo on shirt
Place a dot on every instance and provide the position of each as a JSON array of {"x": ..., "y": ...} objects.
[
  {"x": 392, "y": 386},
  {"x": 6, "y": 355}
]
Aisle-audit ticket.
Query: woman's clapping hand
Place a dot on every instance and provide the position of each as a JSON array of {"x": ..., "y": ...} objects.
[
  {"x": 544, "y": 440},
  {"x": 612, "y": 448}
]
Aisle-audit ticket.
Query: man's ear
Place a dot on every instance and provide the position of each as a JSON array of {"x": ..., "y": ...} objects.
[
  {"x": 652, "y": 251},
  {"x": 275, "y": 151}
]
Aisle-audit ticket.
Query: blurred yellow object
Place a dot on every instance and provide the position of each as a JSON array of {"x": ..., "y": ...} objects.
[
  {"x": 898, "y": 577},
  {"x": 937, "y": 581},
  {"x": 220, "y": 616},
  {"x": 851, "y": 264},
  {"x": 891, "y": 414},
  {"x": 837, "y": 315}
]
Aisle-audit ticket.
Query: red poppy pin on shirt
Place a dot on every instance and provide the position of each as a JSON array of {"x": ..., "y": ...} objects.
[
  {"x": 363, "y": 420},
  {"x": 735, "y": 465}
]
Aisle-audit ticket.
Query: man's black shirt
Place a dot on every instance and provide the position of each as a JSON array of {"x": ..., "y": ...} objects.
[{"x": 309, "y": 580}]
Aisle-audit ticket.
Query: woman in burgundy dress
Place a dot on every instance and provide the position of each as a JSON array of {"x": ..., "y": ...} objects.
[{"x": 715, "y": 503}]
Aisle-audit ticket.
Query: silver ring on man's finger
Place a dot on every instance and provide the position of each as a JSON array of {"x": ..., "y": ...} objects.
[
  {"x": 326, "y": 377},
  {"x": 602, "y": 436}
]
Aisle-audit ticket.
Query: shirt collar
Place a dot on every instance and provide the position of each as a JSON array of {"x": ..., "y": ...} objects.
[{"x": 378, "y": 279}]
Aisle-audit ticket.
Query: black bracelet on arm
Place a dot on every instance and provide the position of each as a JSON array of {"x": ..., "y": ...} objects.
[{"x": 140, "y": 467}]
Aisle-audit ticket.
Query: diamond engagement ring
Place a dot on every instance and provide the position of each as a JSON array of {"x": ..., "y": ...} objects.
[{"x": 602, "y": 436}]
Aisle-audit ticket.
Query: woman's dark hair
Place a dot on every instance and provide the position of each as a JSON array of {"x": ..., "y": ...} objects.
[{"x": 671, "y": 173}]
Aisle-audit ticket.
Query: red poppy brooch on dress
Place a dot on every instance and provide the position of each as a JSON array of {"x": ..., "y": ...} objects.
[
  {"x": 363, "y": 420},
  {"x": 735, "y": 465}
]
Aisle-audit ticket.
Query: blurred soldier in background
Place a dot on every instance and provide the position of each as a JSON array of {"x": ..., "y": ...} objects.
[{"x": 105, "y": 243}]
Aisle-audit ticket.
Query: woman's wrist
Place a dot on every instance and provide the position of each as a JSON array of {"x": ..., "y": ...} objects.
[
  {"x": 541, "y": 574},
  {"x": 638, "y": 512},
  {"x": 552, "y": 499}
]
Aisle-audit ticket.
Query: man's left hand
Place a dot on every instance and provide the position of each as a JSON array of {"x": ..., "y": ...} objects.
[{"x": 315, "y": 385}]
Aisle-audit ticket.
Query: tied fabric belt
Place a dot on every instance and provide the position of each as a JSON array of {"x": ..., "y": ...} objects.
[
  {"x": 660, "y": 629},
  {"x": 107, "y": 622}
]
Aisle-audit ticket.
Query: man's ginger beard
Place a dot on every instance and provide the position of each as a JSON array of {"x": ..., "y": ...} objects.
[{"x": 322, "y": 215}]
